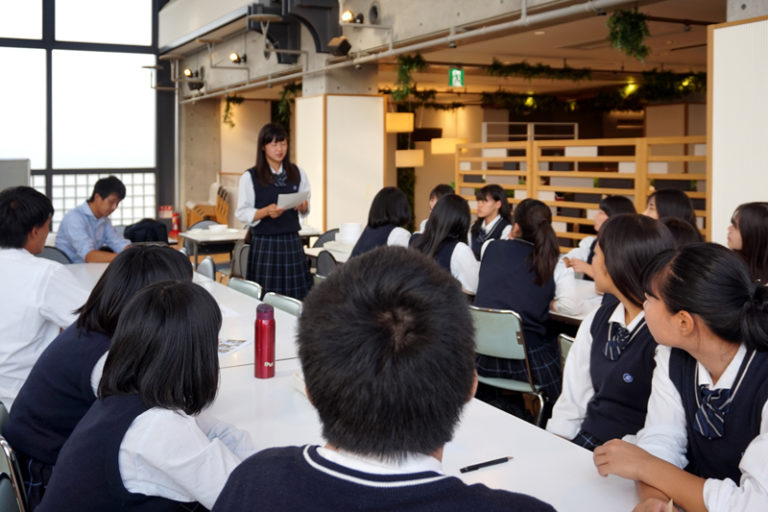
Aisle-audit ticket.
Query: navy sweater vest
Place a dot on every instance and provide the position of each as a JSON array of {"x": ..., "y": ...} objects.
[
  {"x": 87, "y": 474},
  {"x": 299, "y": 479},
  {"x": 56, "y": 395},
  {"x": 372, "y": 238},
  {"x": 288, "y": 222},
  {"x": 444, "y": 252},
  {"x": 479, "y": 238},
  {"x": 622, "y": 387},
  {"x": 507, "y": 281},
  {"x": 719, "y": 458}
]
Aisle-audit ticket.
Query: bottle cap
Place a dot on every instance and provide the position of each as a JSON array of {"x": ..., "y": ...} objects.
[{"x": 265, "y": 312}]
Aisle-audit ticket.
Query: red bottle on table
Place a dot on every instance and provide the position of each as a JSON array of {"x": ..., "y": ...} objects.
[{"x": 264, "y": 343}]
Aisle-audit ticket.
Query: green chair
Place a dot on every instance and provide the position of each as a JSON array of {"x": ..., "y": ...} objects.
[
  {"x": 245, "y": 286},
  {"x": 3, "y": 417},
  {"x": 499, "y": 333},
  {"x": 207, "y": 268},
  {"x": 564, "y": 343},
  {"x": 287, "y": 304},
  {"x": 12, "y": 495}
]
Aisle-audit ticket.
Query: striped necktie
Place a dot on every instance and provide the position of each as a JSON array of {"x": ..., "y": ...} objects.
[
  {"x": 618, "y": 339},
  {"x": 709, "y": 420}
]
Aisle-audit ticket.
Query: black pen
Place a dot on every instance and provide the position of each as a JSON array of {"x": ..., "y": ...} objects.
[{"x": 481, "y": 465}]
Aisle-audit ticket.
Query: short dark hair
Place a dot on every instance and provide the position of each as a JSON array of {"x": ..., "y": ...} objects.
[
  {"x": 389, "y": 207},
  {"x": 387, "y": 349},
  {"x": 629, "y": 241},
  {"x": 682, "y": 231},
  {"x": 165, "y": 348},
  {"x": 751, "y": 219},
  {"x": 21, "y": 209},
  {"x": 671, "y": 202},
  {"x": 712, "y": 282},
  {"x": 448, "y": 221},
  {"x": 615, "y": 205},
  {"x": 535, "y": 221},
  {"x": 105, "y": 187},
  {"x": 129, "y": 272},
  {"x": 440, "y": 191}
]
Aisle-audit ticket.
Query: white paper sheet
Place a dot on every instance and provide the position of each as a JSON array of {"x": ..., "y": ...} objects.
[{"x": 286, "y": 201}]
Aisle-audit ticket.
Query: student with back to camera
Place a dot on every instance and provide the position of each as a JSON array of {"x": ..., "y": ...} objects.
[
  {"x": 494, "y": 217},
  {"x": 63, "y": 382},
  {"x": 396, "y": 331},
  {"x": 748, "y": 236},
  {"x": 444, "y": 240},
  {"x": 705, "y": 440},
  {"x": 607, "y": 377},
  {"x": 144, "y": 444},
  {"x": 517, "y": 274},
  {"x": 435, "y": 195},
  {"x": 388, "y": 215}
]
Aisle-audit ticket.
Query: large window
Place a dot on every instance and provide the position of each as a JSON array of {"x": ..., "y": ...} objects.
[{"x": 77, "y": 99}]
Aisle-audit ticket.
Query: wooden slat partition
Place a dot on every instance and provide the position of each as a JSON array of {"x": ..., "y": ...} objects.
[{"x": 574, "y": 174}]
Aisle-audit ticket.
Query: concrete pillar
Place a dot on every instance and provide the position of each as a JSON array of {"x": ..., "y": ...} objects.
[{"x": 745, "y": 9}]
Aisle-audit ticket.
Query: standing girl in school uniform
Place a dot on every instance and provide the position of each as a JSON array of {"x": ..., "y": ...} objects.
[
  {"x": 144, "y": 444},
  {"x": 276, "y": 259},
  {"x": 63, "y": 383},
  {"x": 607, "y": 377},
  {"x": 494, "y": 218},
  {"x": 435, "y": 195},
  {"x": 705, "y": 440},
  {"x": 748, "y": 236},
  {"x": 516, "y": 274},
  {"x": 443, "y": 239},
  {"x": 671, "y": 202},
  {"x": 389, "y": 212}
]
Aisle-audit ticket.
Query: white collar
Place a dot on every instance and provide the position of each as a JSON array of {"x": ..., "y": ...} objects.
[
  {"x": 276, "y": 171},
  {"x": 728, "y": 377},
  {"x": 489, "y": 227},
  {"x": 619, "y": 314},
  {"x": 414, "y": 463}
]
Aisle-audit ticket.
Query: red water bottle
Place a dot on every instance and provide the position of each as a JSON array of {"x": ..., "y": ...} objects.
[{"x": 264, "y": 337}]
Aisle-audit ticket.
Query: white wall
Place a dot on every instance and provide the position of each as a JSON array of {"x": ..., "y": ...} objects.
[
  {"x": 238, "y": 143},
  {"x": 310, "y": 153},
  {"x": 739, "y": 153}
]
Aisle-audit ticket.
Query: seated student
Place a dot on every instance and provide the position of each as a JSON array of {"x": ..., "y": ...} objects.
[
  {"x": 748, "y": 236},
  {"x": 144, "y": 444},
  {"x": 516, "y": 274},
  {"x": 435, "y": 195},
  {"x": 398, "y": 335},
  {"x": 86, "y": 230},
  {"x": 705, "y": 440},
  {"x": 389, "y": 212},
  {"x": 38, "y": 296},
  {"x": 571, "y": 299},
  {"x": 682, "y": 232},
  {"x": 494, "y": 218},
  {"x": 671, "y": 202},
  {"x": 607, "y": 377},
  {"x": 63, "y": 382},
  {"x": 443, "y": 239}
]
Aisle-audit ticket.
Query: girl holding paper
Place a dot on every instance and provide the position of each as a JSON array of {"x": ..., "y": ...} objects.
[{"x": 276, "y": 260}]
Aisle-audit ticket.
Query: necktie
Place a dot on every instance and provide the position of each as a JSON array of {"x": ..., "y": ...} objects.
[
  {"x": 710, "y": 416},
  {"x": 280, "y": 179},
  {"x": 618, "y": 339}
]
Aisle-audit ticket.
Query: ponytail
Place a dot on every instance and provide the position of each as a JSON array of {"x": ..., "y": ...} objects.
[
  {"x": 754, "y": 321},
  {"x": 535, "y": 221}
]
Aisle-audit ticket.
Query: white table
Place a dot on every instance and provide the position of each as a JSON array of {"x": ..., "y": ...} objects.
[
  {"x": 204, "y": 237},
  {"x": 544, "y": 465}
]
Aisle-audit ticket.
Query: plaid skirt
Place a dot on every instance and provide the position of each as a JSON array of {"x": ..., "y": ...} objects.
[
  {"x": 545, "y": 366},
  {"x": 278, "y": 264}
]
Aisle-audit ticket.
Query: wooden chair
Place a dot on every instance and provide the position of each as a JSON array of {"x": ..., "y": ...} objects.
[
  {"x": 287, "y": 304},
  {"x": 564, "y": 344},
  {"x": 245, "y": 286},
  {"x": 499, "y": 333}
]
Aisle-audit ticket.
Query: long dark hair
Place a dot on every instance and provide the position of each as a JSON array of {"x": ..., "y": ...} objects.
[
  {"x": 496, "y": 193},
  {"x": 615, "y": 205},
  {"x": 671, "y": 202},
  {"x": 131, "y": 270},
  {"x": 273, "y": 132},
  {"x": 629, "y": 241},
  {"x": 534, "y": 219},
  {"x": 389, "y": 206},
  {"x": 751, "y": 219},
  {"x": 165, "y": 348},
  {"x": 448, "y": 221},
  {"x": 712, "y": 282}
]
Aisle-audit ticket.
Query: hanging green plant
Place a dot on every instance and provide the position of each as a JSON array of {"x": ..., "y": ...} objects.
[
  {"x": 538, "y": 70},
  {"x": 287, "y": 98},
  {"x": 405, "y": 85},
  {"x": 228, "y": 110},
  {"x": 626, "y": 32}
]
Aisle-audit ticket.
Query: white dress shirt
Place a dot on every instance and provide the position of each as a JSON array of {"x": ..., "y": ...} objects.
[
  {"x": 465, "y": 267},
  {"x": 398, "y": 237},
  {"x": 37, "y": 298},
  {"x": 665, "y": 436},
  {"x": 487, "y": 228},
  {"x": 570, "y": 410},
  {"x": 413, "y": 463},
  {"x": 571, "y": 298},
  {"x": 246, "y": 197},
  {"x": 180, "y": 457}
]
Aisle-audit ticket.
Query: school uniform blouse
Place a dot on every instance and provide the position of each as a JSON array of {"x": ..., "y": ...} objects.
[
  {"x": 570, "y": 410},
  {"x": 465, "y": 267},
  {"x": 246, "y": 196},
  {"x": 665, "y": 436}
]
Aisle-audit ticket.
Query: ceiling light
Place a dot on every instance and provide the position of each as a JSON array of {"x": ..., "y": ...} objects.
[
  {"x": 409, "y": 158},
  {"x": 237, "y": 58},
  {"x": 187, "y": 72},
  {"x": 399, "y": 122},
  {"x": 445, "y": 145},
  {"x": 347, "y": 16}
]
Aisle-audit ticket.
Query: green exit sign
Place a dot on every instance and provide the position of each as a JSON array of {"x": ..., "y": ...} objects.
[{"x": 456, "y": 77}]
